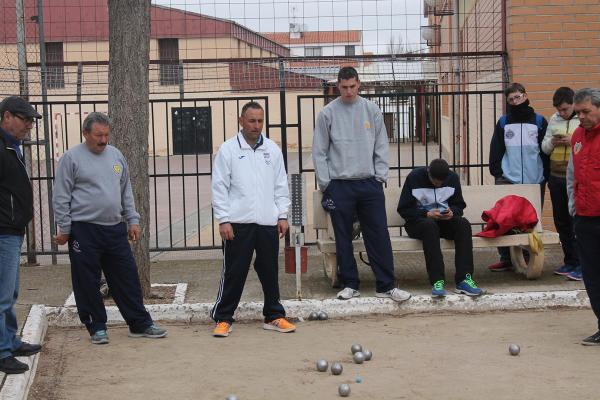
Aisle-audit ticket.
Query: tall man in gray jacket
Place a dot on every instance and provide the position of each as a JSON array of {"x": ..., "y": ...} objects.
[
  {"x": 95, "y": 212},
  {"x": 350, "y": 154}
]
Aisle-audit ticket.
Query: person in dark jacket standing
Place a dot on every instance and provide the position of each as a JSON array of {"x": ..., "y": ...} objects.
[
  {"x": 515, "y": 151},
  {"x": 16, "y": 210},
  {"x": 432, "y": 205},
  {"x": 583, "y": 186}
]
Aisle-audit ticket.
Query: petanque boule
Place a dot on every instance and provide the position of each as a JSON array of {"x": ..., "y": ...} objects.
[
  {"x": 313, "y": 316},
  {"x": 322, "y": 316},
  {"x": 355, "y": 348},
  {"x": 358, "y": 379},
  {"x": 336, "y": 368},
  {"x": 322, "y": 365},
  {"x": 368, "y": 354},
  {"x": 344, "y": 390},
  {"x": 514, "y": 349},
  {"x": 231, "y": 397},
  {"x": 359, "y": 357}
]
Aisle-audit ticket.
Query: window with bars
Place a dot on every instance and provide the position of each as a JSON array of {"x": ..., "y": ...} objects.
[
  {"x": 55, "y": 70},
  {"x": 168, "y": 53},
  {"x": 350, "y": 50}
]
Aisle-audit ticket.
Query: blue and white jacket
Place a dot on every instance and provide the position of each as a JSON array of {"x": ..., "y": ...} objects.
[
  {"x": 420, "y": 196},
  {"x": 515, "y": 150},
  {"x": 249, "y": 185}
]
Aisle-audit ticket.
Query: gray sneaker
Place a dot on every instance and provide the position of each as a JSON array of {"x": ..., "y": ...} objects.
[
  {"x": 394, "y": 294},
  {"x": 347, "y": 293},
  {"x": 153, "y": 332},
  {"x": 100, "y": 337}
]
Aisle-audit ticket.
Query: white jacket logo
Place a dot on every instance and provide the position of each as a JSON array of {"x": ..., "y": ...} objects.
[
  {"x": 75, "y": 246},
  {"x": 267, "y": 158}
]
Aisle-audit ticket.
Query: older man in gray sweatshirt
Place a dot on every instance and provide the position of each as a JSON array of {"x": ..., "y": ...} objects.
[
  {"x": 350, "y": 154},
  {"x": 95, "y": 212}
]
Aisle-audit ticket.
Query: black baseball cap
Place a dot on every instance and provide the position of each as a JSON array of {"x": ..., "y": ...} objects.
[{"x": 18, "y": 105}]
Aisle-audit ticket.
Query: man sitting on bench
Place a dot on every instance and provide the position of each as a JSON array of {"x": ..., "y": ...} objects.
[{"x": 432, "y": 205}]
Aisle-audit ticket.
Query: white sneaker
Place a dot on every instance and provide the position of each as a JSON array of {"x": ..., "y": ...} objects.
[
  {"x": 347, "y": 293},
  {"x": 394, "y": 294}
]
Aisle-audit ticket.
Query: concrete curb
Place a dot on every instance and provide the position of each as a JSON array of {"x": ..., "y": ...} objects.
[
  {"x": 200, "y": 312},
  {"x": 16, "y": 387}
]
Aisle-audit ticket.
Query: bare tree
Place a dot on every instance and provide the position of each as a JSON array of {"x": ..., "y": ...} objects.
[
  {"x": 128, "y": 97},
  {"x": 396, "y": 45}
]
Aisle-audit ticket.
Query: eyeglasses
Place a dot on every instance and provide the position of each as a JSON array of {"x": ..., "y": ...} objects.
[
  {"x": 515, "y": 98},
  {"x": 27, "y": 120}
]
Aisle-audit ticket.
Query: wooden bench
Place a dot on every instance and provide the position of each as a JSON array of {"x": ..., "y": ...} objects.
[{"x": 478, "y": 199}]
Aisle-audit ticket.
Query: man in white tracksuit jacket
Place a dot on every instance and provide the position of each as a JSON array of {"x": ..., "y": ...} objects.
[{"x": 250, "y": 200}]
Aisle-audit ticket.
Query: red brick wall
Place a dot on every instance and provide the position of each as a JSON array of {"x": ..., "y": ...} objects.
[{"x": 553, "y": 43}]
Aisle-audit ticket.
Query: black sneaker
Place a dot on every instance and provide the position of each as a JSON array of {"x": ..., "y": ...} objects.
[
  {"x": 593, "y": 340},
  {"x": 27, "y": 350},
  {"x": 10, "y": 365}
]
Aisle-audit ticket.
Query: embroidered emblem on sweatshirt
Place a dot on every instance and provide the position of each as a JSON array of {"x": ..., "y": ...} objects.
[
  {"x": 577, "y": 147},
  {"x": 367, "y": 125},
  {"x": 117, "y": 168}
]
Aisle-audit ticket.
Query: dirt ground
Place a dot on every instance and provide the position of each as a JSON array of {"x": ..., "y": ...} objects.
[{"x": 414, "y": 357}]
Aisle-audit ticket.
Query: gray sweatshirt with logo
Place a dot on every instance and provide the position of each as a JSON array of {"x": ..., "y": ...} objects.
[
  {"x": 350, "y": 142},
  {"x": 93, "y": 188}
]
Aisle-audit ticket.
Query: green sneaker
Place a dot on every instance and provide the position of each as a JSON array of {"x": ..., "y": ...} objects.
[
  {"x": 437, "y": 290},
  {"x": 468, "y": 287}
]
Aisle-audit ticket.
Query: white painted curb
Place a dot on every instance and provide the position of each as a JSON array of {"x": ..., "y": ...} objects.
[
  {"x": 200, "y": 312},
  {"x": 180, "y": 290},
  {"x": 16, "y": 387}
]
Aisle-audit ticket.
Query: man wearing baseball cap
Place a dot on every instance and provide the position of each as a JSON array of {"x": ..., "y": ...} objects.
[{"x": 16, "y": 210}]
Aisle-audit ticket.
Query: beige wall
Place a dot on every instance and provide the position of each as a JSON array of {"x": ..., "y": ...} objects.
[{"x": 66, "y": 121}]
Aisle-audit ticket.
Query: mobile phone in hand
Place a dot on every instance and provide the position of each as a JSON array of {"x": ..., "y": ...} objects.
[{"x": 446, "y": 211}]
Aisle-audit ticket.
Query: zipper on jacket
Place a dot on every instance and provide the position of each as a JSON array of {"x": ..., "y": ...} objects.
[
  {"x": 566, "y": 133},
  {"x": 12, "y": 209},
  {"x": 522, "y": 162}
]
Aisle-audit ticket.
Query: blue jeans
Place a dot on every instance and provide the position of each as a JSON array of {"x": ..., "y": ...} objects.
[{"x": 10, "y": 253}]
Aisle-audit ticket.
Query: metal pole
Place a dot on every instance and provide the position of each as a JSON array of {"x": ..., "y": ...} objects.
[
  {"x": 283, "y": 120},
  {"x": 457, "y": 87},
  {"x": 24, "y": 93},
  {"x": 298, "y": 242},
  {"x": 43, "y": 71},
  {"x": 79, "y": 80}
]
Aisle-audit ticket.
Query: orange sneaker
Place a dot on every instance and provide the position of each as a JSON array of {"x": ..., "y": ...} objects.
[
  {"x": 279, "y": 325},
  {"x": 222, "y": 329}
]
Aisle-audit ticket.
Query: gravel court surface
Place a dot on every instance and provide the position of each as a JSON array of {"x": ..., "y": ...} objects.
[{"x": 450, "y": 356}]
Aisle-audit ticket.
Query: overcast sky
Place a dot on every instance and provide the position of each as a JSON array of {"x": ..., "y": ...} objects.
[{"x": 378, "y": 19}]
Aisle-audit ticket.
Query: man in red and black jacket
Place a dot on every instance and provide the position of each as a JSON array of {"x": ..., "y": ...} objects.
[
  {"x": 16, "y": 210},
  {"x": 583, "y": 185}
]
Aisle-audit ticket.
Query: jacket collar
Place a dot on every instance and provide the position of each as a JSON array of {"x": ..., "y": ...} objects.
[
  {"x": 245, "y": 146},
  {"x": 9, "y": 139},
  {"x": 594, "y": 131}
]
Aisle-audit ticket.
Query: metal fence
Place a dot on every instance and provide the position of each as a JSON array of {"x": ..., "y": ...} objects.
[{"x": 184, "y": 135}]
